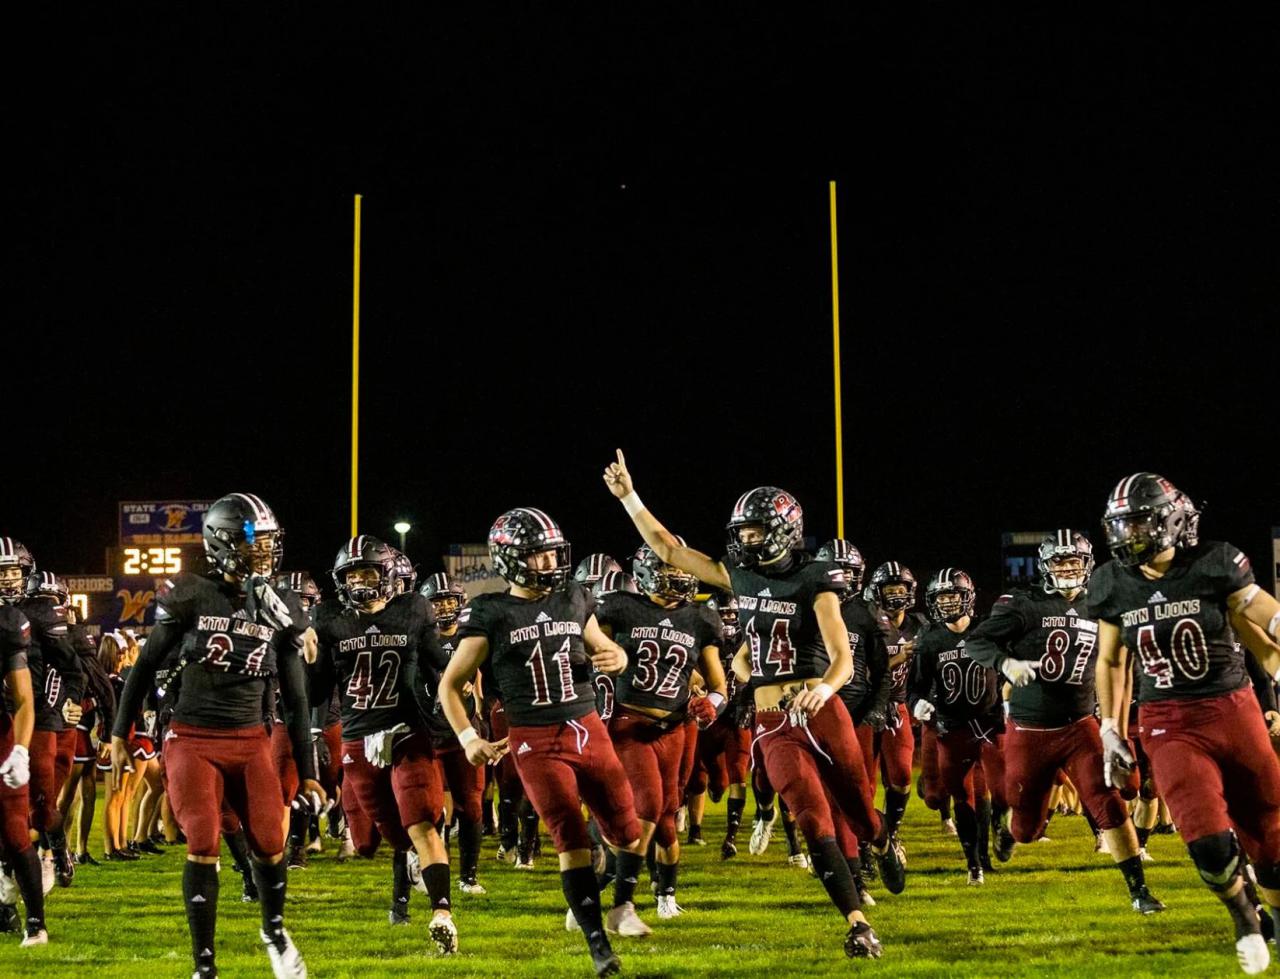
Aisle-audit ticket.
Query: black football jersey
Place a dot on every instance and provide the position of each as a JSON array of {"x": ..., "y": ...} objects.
[
  {"x": 54, "y": 665},
  {"x": 960, "y": 689},
  {"x": 1177, "y": 625},
  {"x": 226, "y": 660},
  {"x": 866, "y": 640},
  {"x": 537, "y": 656},
  {"x": 662, "y": 646},
  {"x": 379, "y": 662},
  {"x": 15, "y": 642},
  {"x": 778, "y": 621},
  {"x": 896, "y": 638},
  {"x": 441, "y": 729},
  {"x": 1057, "y": 634}
]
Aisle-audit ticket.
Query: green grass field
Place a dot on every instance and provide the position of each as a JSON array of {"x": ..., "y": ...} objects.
[{"x": 1055, "y": 908}]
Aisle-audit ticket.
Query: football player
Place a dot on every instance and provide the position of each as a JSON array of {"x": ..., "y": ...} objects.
[
  {"x": 465, "y": 782},
  {"x": 371, "y": 644},
  {"x": 892, "y": 593},
  {"x": 1170, "y": 598},
  {"x": 235, "y": 632},
  {"x": 17, "y": 722},
  {"x": 665, "y": 635},
  {"x": 538, "y": 642},
  {"x": 1044, "y": 641},
  {"x": 55, "y": 676},
  {"x": 796, "y": 656},
  {"x": 963, "y": 699}
]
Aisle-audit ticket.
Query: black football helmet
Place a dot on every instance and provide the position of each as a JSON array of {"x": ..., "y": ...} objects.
[
  {"x": 1147, "y": 514},
  {"x": 16, "y": 568},
  {"x": 614, "y": 581},
  {"x": 242, "y": 536},
  {"x": 46, "y": 584},
  {"x": 949, "y": 596},
  {"x": 848, "y": 557},
  {"x": 725, "y": 606},
  {"x": 892, "y": 573},
  {"x": 519, "y": 534},
  {"x": 446, "y": 596},
  {"x": 778, "y": 514},
  {"x": 365, "y": 552},
  {"x": 303, "y": 585},
  {"x": 406, "y": 573},
  {"x": 593, "y": 567},
  {"x": 655, "y": 577},
  {"x": 1061, "y": 545}
]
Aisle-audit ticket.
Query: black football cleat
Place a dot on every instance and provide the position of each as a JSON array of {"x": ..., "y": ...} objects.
[
  {"x": 250, "y": 893},
  {"x": 9, "y": 920},
  {"x": 869, "y": 871},
  {"x": 397, "y": 917},
  {"x": 1004, "y": 842},
  {"x": 64, "y": 867},
  {"x": 147, "y": 846},
  {"x": 728, "y": 850},
  {"x": 893, "y": 866},
  {"x": 861, "y": 942},
  {"x": 86, "y": 859},
  {"x": 1144, "y": 902},
  {"x": 603, "y": 958}
]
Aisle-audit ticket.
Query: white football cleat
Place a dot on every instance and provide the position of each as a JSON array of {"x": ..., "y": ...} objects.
[
  {"x": 1146, "y": 857},
  {"x": 1252, "y": 954},
  {"x": 798, "y": 860},
  {"x": 667, "y": 907},
  {"x": 347, "y": 849},
  {"x": 444, "y": 933},
  {"x": 525, "y": 863},
  {"x": 471, "y": 887},
  {"x": 865, "y": 898},
  {"x": 286, "y": 962},
  {"x": 47, "y": 874},
  {"x": 949, "y": 827},
  {"x": 415, "y": 871},
  {"x": 624, "y": 921},
  {"x": 315, "y": 846},
  {"x": 762, "y": 834},
  {"x": 39, "y": 938}
]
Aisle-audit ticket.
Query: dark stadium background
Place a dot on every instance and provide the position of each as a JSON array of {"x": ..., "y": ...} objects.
[{"x": 587, "y": 229}]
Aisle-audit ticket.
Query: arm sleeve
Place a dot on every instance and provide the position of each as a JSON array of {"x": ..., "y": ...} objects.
[
  {"x": 161, "y": 641},
  {"x": 988, "y": 643},
  {"x": 293, "y": 697},
  {"x": 320, "y": 687},
  {"x": 878, "y": 668},
  {"x": 15, "y": 639},
  {"x": 921, "y": 683}
]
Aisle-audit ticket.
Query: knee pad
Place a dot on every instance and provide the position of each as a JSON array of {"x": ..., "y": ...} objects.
[{"x": 1217, "y": 858}]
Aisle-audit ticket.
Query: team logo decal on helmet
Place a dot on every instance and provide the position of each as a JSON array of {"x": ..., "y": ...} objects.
[
  {"x": 519, "y": 534},
  {"x": 779, "y": 516},
  {"x": 1147, "y": 514}
]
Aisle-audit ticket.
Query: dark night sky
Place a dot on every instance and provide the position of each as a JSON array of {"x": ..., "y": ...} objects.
[{"x": 1058, "y": 247}]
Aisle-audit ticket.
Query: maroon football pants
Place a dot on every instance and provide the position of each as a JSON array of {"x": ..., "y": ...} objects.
[
  {"x": 1032, "y": 758},
  {"x": 816, "y": 765},
  {"x": 14, "y": 803},
  {"x": 564, "y": 764},
  {"x": 1214, "y": 766},
  {"x": 209, "y": 765},
  {"x": 464, "y": 781},
  {"x": 959, "y": 754},
  {"x": 286, "y": 767},
  {"x": 652, "y": 758},
  {"x": 890, "y": 752},
  {"x": 405, "y": 793},
  {"x": 724, "y": 753}
]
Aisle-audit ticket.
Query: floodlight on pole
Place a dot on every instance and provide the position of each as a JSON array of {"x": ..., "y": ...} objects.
[{"x": 402, "y": 527}]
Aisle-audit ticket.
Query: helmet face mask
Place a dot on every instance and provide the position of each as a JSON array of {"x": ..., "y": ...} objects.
[
  {"x": 1065, "y": 561},
  {"x": 766, "y": 525},
  {"x": 17, "y": 566},
  {"x": 242, "y": 537},
  {"x": 950, "y": 595},
  {"x": 364, "y": 573},
  {"x": 446, "y": 596},
  {"x": 529, "y": 550},
  {"x": 662, "y": 581},
  {"x": 849, "y": 558},
  {"x": 893, "y": 587},
  {"x": 1146, "y": 515}
]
